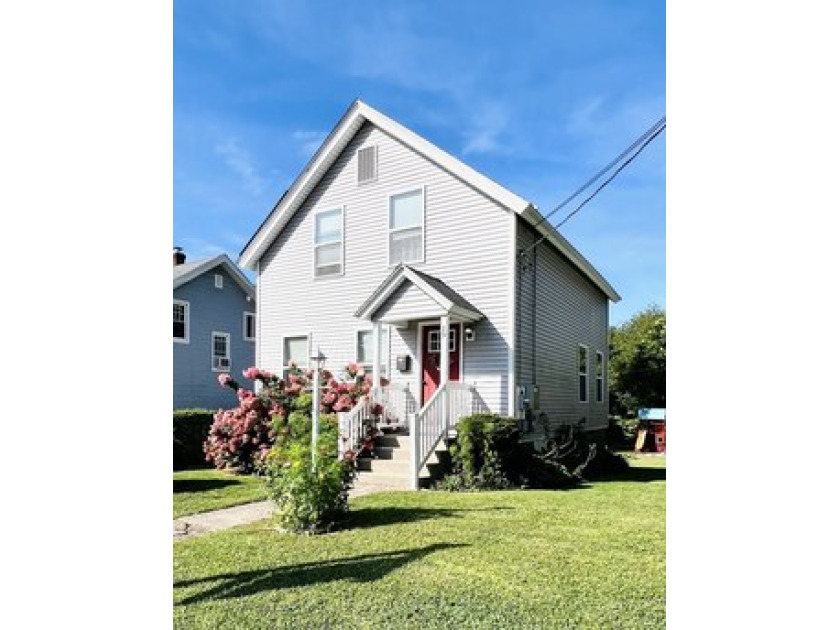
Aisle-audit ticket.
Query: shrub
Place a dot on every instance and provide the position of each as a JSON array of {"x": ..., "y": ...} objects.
[
  {"x": 484, "y": 453},
  {"x": 189, "y": 430},
  {"x": 309, "y": 501}
]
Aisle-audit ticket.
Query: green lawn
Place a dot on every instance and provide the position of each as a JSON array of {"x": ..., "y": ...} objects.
[
  {"x": 197, "y": 491},
  {"x": 593, "y": 557}
]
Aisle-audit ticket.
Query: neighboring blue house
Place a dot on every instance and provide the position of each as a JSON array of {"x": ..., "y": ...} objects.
[{"x": 214, "y": 328}]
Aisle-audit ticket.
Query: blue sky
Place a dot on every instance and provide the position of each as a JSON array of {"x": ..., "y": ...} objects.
[{"x": 536, "y": 95}]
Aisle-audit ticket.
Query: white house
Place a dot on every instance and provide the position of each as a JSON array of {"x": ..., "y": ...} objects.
[{"x": 388, "y": 251}]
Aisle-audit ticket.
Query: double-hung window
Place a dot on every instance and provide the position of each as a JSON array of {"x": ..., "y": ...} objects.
[
  {"x": 329, "y": 243},
  {"x": 406, "y": 219},
  {"x": 365, "y": 350},
  {"x": 295, "y": 350},
  {"x": 221, "y": 352},
  {"x": 599, "y": 377},
  {"x": 180, "y": 321},
  {"x": 583, "y": 373}
]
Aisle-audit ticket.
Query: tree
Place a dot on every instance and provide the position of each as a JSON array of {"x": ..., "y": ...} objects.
[{"x": 637, "y": 362}]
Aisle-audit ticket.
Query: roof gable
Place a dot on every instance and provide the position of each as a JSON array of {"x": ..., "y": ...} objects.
[
  {"x": 182, "y": 274},
  {"x": 331, "y": 149}
]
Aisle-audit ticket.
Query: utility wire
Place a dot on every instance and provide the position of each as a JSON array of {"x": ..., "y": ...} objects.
[
  {"x": 600, "y": 173},
  {"x": 597, "y": 190}
]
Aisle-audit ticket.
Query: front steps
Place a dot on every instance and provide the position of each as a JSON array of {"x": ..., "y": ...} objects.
[{"x": 389, "y": 469}]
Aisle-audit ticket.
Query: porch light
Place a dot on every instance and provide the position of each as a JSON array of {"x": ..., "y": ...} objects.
[{"x": 469, "y": 333}]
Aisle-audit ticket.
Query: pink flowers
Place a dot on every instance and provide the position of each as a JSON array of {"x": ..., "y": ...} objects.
[
  {"x": 224, "y": 379},
  {"x": 251, "y": 373}
]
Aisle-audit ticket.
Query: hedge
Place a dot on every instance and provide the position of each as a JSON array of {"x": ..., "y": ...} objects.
[{"x": 189, "y": 430}]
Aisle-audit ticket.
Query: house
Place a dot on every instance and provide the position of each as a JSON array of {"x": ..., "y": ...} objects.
[
  {"x": 388, "y": 251},
  {"x": 213, "y": 329}
]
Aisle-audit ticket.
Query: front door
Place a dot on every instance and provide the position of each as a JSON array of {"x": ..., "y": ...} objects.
[{"x": 431, "y": 358}]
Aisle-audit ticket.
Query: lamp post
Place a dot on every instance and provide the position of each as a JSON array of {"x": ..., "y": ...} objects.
[{"x": 318, "y": 359}]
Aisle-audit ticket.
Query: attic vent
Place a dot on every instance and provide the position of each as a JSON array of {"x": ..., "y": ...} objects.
[{"x": 366, "y": 167}]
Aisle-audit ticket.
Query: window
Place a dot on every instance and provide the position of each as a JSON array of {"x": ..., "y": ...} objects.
[
  {"x": 583, "y": 373},
  {"x": 599, "y": 377},
  {"x": 220, "y": 281},
  {"x": 366, "y": 164},
  {"x": 365, "y": 350},
  {"x": 405, "y": 227},
  {"x": 434, "y": 340},
  {"x": 295, "y": 349},
  {"x": 329, "y": 243},
  {"x": 181, "y": 321},
  {"x": 249, "y": 326},
  {"x": 221, "y": 352}
]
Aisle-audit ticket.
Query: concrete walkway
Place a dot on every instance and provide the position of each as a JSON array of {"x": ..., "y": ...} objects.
[{"x": 206, "y": 522}]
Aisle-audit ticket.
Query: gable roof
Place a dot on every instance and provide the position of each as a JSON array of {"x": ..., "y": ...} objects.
[
  {"x": 338, "y": 139},
  {"x": 437, "y": 290},
  {"x": 181, "y": 274}
]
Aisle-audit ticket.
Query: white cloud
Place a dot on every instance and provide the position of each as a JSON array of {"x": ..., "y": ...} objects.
[
  {"x": 241, "y": 163},
  {"x": 309, "y": 140},
  {"x": 483, "y": 131}
]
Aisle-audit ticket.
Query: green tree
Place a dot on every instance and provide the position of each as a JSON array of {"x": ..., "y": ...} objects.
[{"x": 637, "y": 362}]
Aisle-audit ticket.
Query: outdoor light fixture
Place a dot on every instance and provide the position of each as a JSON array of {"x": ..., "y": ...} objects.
[{"x": 469, "y": 333}]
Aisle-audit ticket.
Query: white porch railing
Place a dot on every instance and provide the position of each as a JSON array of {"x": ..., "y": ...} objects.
[
  {"x": 447, "y": 405},
  {"x": 397, "y": 401},
  {"x": 351, "y": 427}
]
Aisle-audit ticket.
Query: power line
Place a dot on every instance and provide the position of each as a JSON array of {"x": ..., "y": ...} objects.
[
  {"x": 597, "y": 190},
  {"x": 600, "y": 173}
]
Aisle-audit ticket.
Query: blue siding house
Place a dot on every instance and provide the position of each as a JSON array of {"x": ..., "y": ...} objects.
[{"x": 214, "y": 329}]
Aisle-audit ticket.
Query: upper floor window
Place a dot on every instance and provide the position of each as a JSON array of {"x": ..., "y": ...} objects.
[
  {"x": 249, "y": 326},
  {"x": 221, "y": 352},
  {"x": 220, "y": 281},
  {"x": 599, "y": 377},
  {"x": 406, "y": 222},
  {"x": 583, "y": 373},
  {"x": 329, "y": 243},
  {"x": 366, "y": 164},
  {"x": 181, "y": 321}
]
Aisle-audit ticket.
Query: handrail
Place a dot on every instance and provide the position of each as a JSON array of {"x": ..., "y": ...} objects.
[
  {"x": 351, "y": 426},
  {"x": 443, "y": 410},
  {"x": 396, "y": 401}
]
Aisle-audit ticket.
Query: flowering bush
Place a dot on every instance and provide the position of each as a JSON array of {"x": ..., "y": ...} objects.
[{"x": 241, "y": 437}]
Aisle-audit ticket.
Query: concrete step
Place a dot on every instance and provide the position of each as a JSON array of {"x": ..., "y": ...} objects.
[
  {"x": 384, "y": 466},
  {"x": 366, "y": 480},
  {"x": 391, "y": 453},
  {"x": 394, "y": 440}
]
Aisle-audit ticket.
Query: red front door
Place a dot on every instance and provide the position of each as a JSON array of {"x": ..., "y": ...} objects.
[{"x": 431, "y": 357}]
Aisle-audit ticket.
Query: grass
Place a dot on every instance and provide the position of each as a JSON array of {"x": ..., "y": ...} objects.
[
  {"x": 197, "y": 491},
  {"x": 592, "y": 557}
]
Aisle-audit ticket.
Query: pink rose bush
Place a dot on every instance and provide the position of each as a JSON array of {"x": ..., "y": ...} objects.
[{"x": 241, "y": 437}]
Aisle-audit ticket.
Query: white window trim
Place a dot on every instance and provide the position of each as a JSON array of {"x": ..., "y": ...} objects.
[
  {"x": 213, "y": 336},
  {"x": 285, "y": 360},
  {"x": 579, "y": 373},
  {"x": 315, "y": 243},
  {"x": 375, "y": 161},
  {"x": 245, "y": 336},
  {"x": 219, "y": 281},
  {"x": 599, "y": 388},
  {"x": 386, "y": 349},
  {"x": 391, "y": 195},
  {"x": 186, "y": 306}
]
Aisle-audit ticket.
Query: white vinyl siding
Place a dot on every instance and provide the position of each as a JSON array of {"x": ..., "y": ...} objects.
[
  {"x": 453, "y": 210},
  {"x": 367, "y": 165},
  {"x": 220, "y": 347},
  {"x": 406, "y": 220},
  {"x": 249, "y": 326},
  {"x": 329, "y": 243},
  {"x": 180, "y": 321},
  {"x": 599, "y": 377}
]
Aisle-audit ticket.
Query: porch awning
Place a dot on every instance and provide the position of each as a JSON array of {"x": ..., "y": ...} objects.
[{"x": 408, "y": 294}]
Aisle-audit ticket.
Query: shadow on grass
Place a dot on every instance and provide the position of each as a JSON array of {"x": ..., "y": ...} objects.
[
  {"x": 380, "y": 516},
  {"x": 633, "y": 474},
  {"x": 202, "y": 485},
  {"x": 365, "y": 568}
]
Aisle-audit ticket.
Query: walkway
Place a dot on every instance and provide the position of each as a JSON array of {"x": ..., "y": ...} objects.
[{"x": 206, "y": 522}]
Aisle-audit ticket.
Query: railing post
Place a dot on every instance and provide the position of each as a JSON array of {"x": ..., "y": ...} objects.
[
  {"x": 343, "y": 430},
  {"x": 414, "y": 439}
]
